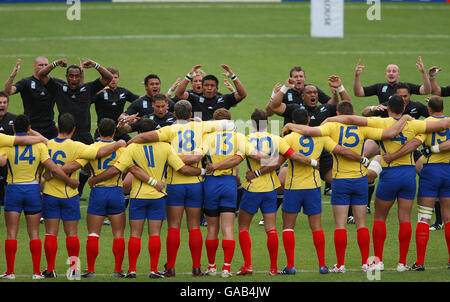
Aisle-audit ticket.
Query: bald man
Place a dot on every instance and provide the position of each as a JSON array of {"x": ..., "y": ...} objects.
[{"x": 385, "y": 90}]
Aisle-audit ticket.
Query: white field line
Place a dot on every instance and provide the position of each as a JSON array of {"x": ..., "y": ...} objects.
[
  {"x": 217, "y": 36},
  {"x": 197, "y": 4}
]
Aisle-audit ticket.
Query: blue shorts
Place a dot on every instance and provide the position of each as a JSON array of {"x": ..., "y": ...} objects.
[
  {"x": 434, "y": 180},
  {"x": 308, "y": 199},
  {"x": 185, "y": 195},
  {"x": 220, "y": 192},
  {"x": 252, "y": 201},
  {"x": 106, "y": 201},
  {"x": 349, "y": 191},
  {"x": 397, "y": 182},
  {"x": 25, "y": 198},
  {"x": 66, "y": 209},
  {"x": 152, "y": 209}
]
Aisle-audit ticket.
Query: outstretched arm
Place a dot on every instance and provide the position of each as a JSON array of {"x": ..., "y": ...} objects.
[
  {"x": 44, "y": 72},
  {"x": 106, "y": 76},
  {"x": 302, "y": 129},
  {"x": 144, "y": 137},
  {"x": 105, "y": 175},
  {"x": 395, "y": 129},
  {"x": 357, "y": 87},
  {"x": 181, "y": 93},
  {"x": 435, "y": 88},
  {"x": 276, "y": 105},
  {"x": 228, "y": 163},
  {"x": 9, "y": 87},
  {"x": 426, "y": 87},
  {"x": 240, "y": 93}
]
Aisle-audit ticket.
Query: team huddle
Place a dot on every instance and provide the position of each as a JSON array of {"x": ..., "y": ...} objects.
[{"x": 185, "y": 159}]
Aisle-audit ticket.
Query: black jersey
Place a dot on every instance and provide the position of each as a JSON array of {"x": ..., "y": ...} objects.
[
  {"x": 414, "y": 109},
  {"x": 385, "y": 90},
  {"x": 293, "y": 96},
  {"x": 77, "y": 102},
  {"x": 143, "y": 106},
  {"x": 317, "y": 114},
  {"x": 6, "y": 127},
  {"x": 111, "y": 103},
  {"x": 166, "y": 120},
  {"x": 445, "y": 91},
  {"x": 38, "y": 103},
  {"x": 207, "y": 106}
]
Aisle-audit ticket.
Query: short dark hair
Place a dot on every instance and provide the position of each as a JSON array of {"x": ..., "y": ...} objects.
[
  {"x": 21, "y": 123},
  {"x": 182, "y": 110},
  {"x": 75, "y": 67},
  {"x": 66, "y": 123},
  {"x": 3, "y": 94},
  {"x": 160, "y": 97},
  {"x": 210, "y": 77},
  {"x": 259, "y": 119},
  {"x": 222, "y": 114},
  {"x": 402, "y": 86},
  {"x": 113, "y": 70},
  {"x": 396, "y": 104},
  {"x": 300, "y": 116},
  {"x": 106, "y": 127},
  {"x": 295, "y": 68},
  {"x": 436, "y": 104},
  {"x": 146, "y": 124},
  {"x": 345, "y": 108},
  {"x": 151, "y": 76}
]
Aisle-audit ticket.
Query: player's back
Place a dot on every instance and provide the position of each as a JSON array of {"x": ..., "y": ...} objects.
[
  {"x": 153, "y": 158},
  {"x": 99, "y": 165},
  {"x": 301, "y": 176},
  {"x": 435, "y": 138},
  {"x": 25, "y": 162},
  {"x": 269, "y": 144},
  {"x": 186, "y": 139},
  {"x": 410, "y": 130},
  {"x": 221, "y": 145}
]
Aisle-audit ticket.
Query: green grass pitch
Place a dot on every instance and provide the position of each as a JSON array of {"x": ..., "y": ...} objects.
[{"x": 260, "y": 42}]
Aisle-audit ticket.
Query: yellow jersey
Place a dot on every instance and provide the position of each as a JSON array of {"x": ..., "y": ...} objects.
[
  {"x": 220, "y": 145},
  {"x": 25, "y": 162},
  {"x": 153, "y": 158},
  {"x": 351, "y": 137},
  {"x": 299, "y": 176},
  {"x": 185, "y": 138},
  {"x": 271, "y": 145},
  {"x": 99, "y": 165},
  {"x": 411, "y": 129},
  {"x": 63, "y": 151},
  {"x": 435, "y": 138}
]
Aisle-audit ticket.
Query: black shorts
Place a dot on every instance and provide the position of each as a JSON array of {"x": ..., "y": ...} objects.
[
  {"x": 49, "y": 132},
  {"x": 84, "y": 137},
  {"x": 325, "y": 163}
]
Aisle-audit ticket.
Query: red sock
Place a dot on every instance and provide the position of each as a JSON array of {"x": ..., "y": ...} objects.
[
  {"x": 154, "y": 249},
  {"x": 447, "y": 238},
  {"x": 118, "y": 249},
  {"x": 340, "y": 244},
  {"x": 211, "y": 248},
  {"x": 196, "y": 246},
  {"x": 172, "y": 245},
  {"x": 228, "y": 247},
  {"x": 422, "y": 236},
  {"x": 272, "y": 246},
  {"x": 73, "y": 250},
  {"x": 36, "y": 253},
  {"x": 289, "y": 246},
  {"x": 363, "y": 238},
  {"x": 50, "y": 249},
  {"x": 91, "y": 252},
  {"x": 378, "y": 237},
  {"x": 245, "y": 243},
  {"x": 10, "y": 253},
  {"x": 134, "y": 248},
  {"x": 404, "y": 238},
  {"x": 319, "y": 243}
]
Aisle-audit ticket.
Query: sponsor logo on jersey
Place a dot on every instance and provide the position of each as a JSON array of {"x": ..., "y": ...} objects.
[
  {"x": 83, "y": 89},
  {"x": 33, "y": 85},
  {"x": 323, "y": 109},
  {"x": 290, "y": 97},
  {"x": 122, "y": 96},
  {"x": 384, "y": 89},
  {"x": 105, "y": 95},
  {"x": 202, "y": 99}
]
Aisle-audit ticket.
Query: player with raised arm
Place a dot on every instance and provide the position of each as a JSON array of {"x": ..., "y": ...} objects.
[
  {"x": 434, "y": 180},
  {"x": 397, "y": 179},
  {"x": 349, "y": 184},
  {"x": 435, "y": 88},
  {"x": 61, "y": 202},
  {"x": 302, "y": 189},
  {"x": 210, "y": 100},
  {"x": 148, "y": 199},
  {"x": 23, "y": 194}
]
